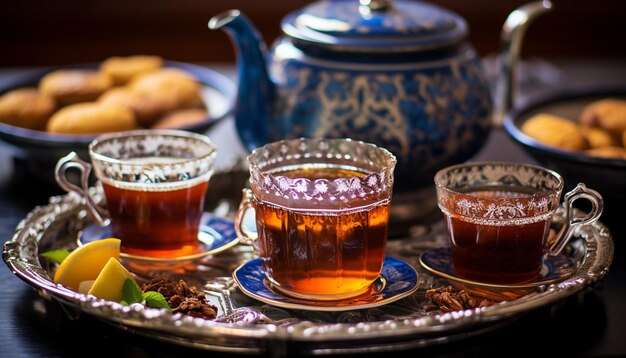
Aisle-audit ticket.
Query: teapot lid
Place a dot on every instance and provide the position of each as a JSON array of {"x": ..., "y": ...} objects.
[{"x": 375, "y": 25}]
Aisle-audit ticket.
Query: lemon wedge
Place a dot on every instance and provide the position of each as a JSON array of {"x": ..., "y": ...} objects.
[
  {"x": 86, "y": 262},
  {"x": 110, "y": 281}
]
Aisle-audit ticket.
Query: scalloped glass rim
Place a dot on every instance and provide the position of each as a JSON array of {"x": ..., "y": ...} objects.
[{"x": 269, "y": 162}]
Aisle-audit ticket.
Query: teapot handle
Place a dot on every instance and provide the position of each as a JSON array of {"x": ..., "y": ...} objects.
[{"x": 511, "y": 44}]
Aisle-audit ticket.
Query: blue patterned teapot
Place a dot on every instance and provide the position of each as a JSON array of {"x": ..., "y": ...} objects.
[{"x": 398, "y": 74}]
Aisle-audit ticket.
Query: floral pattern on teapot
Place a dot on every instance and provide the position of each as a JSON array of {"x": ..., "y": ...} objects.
[{"x": 428, "y": 114}]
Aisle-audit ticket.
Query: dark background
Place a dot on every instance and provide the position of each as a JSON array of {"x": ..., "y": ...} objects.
[{"x": 48, "y": 33}]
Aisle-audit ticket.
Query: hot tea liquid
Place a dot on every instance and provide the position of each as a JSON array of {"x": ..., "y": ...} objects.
[
  {"x": 504, "y": 254},
  {"x": 322, "y": 253},
  {"x": 156, "y": 223}
]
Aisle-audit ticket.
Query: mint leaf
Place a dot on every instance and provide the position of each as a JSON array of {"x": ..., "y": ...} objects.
[
  {"x": 124, "y": 303},
  {"x": 56, "y": 255},
  {"x": 131, "y": 292},
  {"x": 155, "y": 300}
]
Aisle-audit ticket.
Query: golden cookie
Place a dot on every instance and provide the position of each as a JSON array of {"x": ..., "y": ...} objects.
[
  {"x": 122, "y": 69},
  {"x": 148, "y": 107},
  {"x": 609, "y": 114},
  {"x": 555, "y": 131},
  {"x": 73, "y": 86},
  {"x": 588, "y": 117},
  {"x": 607, "y": 152},
  {"x": 182, "y": 118},
  {"x": 27, "y": 108},
  {"x": 173, "y": 83},
  {"x": 91, "y": 117},
  {"x": 598, "y": 137}
]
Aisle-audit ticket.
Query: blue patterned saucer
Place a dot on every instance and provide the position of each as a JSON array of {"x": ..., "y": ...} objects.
[
  {"x": 216, "y": 234},
  {"x": 554, "y": 269},
  {"x": 398, "y": 280}
]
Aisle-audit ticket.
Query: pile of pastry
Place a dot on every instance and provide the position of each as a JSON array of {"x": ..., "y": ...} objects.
[
  {"x": 600, "y": 130},
  {"x": 123, "y": 93}
]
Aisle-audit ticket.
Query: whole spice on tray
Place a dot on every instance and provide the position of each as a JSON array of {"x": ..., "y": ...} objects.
[
  {"x": 448, "y": 299},
  {"x": 182, "y": 298}
]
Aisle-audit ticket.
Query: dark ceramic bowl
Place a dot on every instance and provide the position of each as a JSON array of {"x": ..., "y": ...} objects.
[
  {"x": 606, "y": 175},
  {"x": 39, "y": 151}
]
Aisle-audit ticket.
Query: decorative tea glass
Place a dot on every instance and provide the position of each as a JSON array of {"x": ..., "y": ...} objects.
[
  {"x": 498, "y": 216},
  {"x": 322, "y": 212},
  {"x": 154, "y": 183}
]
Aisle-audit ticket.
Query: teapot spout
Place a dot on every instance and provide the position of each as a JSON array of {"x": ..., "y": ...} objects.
[
  {"x": 511, "y": 44},
  {"x": 255, "y": 92}
]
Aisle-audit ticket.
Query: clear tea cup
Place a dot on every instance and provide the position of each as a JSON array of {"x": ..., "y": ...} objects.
[
  {"x": 154, "y": 184},
  {"x": 322, "y": 213},
  {"x": 498, "y": 218}
]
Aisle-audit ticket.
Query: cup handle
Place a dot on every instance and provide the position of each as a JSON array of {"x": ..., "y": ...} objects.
[
  {"x": 571, "y": 222},
  {"x": 245, "y": 235},
  {"x": 72, "y": 160}
]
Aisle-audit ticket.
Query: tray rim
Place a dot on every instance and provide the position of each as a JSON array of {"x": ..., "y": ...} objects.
[{"x": 249, "y": 337}]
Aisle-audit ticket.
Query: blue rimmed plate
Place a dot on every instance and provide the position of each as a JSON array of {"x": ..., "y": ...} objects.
[
  {"x": 216, "y": 235},
  {"x": 553, "y": 269},
  {"x": 397, "y": 280}
]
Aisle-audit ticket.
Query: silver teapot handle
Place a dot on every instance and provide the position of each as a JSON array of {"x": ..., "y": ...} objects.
[{"x": 511, "y": 39}]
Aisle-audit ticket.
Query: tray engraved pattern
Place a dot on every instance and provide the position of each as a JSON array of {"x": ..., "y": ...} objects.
[{"x": 245, "y": 325}]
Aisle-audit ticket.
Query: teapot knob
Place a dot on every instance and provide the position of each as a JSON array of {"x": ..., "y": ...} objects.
[{"x": 375, "y": 5}]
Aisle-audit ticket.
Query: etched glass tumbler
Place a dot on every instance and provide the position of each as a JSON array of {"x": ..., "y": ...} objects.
[
  {"x": 154, "y": 183},
  {"x": 322, "y": 213},
  {"x": 499, "y": 216}
]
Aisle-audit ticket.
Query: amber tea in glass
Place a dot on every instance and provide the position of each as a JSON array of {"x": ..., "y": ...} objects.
[
  {"x": 154, "y": 183},
  {"x": 498, "y": 253},
  {"x": 157, "y": 223},
  {"x": 322, "y": 212}
]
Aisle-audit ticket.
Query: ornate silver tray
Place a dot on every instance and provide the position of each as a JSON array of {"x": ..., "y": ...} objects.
[{"x": 245, "y": 325}]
